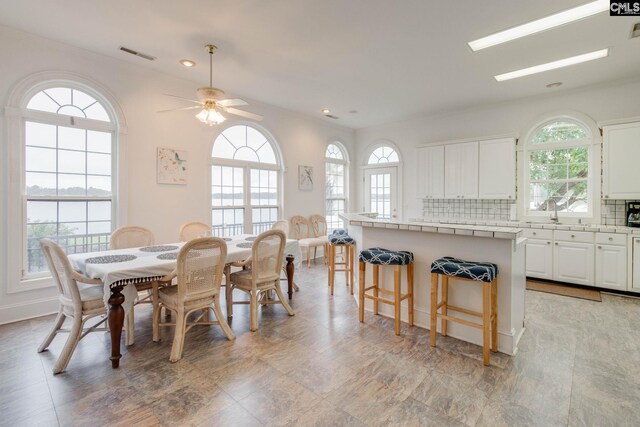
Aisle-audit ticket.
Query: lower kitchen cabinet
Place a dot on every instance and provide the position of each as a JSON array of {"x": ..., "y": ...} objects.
[
  {"x": 573, "y": 263},
  {"x": 635, "y": 281},
  {"x": 611, "y": 267},
  {"x": 539, "y": 259}
]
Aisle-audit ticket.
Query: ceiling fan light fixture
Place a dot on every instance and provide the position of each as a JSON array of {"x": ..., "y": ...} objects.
[
  {"x": 187, "y": 63},
  {"x": 210, "y": 117}
]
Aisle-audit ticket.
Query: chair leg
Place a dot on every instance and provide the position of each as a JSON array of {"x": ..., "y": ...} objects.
[
  {"x": 283, "y": 301},
  {"x": 434, "y": 305},
  {"x": 70, "y": 345},
  {"x": 228, "y": 290},
  {"x": 178, "y": 335},
  {"x": 332, "y": 268},
  {"x": 129, "y": 328},
  {"x": 397, "y": 275},
  {"x": 410, "y": 292},
  {"x": 315, "y": 254},
  {"x": 56, "y": 327},
  {"x": 220, "y": 318},
  {"x": 351, "y": 253},
  {"x": 376, "y": 283},
  {"x": 155, "y": 325},
  {"x": 253, "y": 308},
  {"x": 494, "y": 312},
  {"x": 309, "y": 257},
  {"x": 486, "y": 319},
  {"x": 445, "y": 300},
  {"x": 361, "y": 278}
]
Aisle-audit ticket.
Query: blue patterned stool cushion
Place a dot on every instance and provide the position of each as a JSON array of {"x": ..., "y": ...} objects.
[
  {"x": 480, "y": 271},
  {"x": 341, "y": 239},
  {"x": 385, "y": 256},
  {"x": 339, "y": 231}
]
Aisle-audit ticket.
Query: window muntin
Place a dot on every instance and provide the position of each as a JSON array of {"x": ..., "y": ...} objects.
[
  {"x": 335, "y": 186},
  {"x": 334, "y": 152},
  {"x": 245, "y": 182},
  {"x": 383, "y": 154},
  {"x": 380, "y": 191},
  {"x": 68, "y": 176},
  {"x": 559, "y": 168}
]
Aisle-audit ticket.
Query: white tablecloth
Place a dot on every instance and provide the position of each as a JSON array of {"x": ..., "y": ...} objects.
[{"x": 147, "y": 266}]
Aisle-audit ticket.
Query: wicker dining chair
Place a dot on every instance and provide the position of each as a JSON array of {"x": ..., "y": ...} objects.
[
  {"x": 194, "y": 229},
  {"x": 282, "y": 225},
  {"x": 303, "y": 232},
  {"x": 80, "y": 297},
  {"x": 133, "y": 236},
  {"x": 260, "y": 274},
  {"x": 199, "y": 271},
  {"x": 320, "y": 231}
]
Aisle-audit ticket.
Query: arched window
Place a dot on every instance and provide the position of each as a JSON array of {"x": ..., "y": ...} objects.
[
  {"x": 381, "y": 176},
  {"x": 558, "y": 169},
  {"x": 383, "y": 154},
  {"x": 69, "y": 143},
  {"x": 245, "y": 181},
  {"x": 336, "y": 185}
]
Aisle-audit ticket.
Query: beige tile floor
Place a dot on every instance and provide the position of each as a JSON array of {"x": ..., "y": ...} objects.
[{"x": 579, "y": 365}]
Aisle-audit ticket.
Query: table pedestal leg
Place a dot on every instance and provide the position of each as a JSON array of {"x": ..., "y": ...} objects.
[
  {"x": 116, "y": 320},
  {"x": 290, "y": 269}
]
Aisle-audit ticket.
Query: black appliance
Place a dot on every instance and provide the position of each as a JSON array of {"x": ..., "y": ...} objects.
[{"x": 633, "y": 214}]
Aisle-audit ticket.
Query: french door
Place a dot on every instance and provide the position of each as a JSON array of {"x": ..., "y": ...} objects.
[{"x": 381, "y": 191}]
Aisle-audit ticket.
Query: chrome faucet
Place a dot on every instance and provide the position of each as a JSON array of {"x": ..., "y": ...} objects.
[{"x": 554, "y": 215}]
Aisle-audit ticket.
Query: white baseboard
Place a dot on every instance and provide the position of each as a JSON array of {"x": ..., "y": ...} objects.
[{"x": 28, "y": 310}]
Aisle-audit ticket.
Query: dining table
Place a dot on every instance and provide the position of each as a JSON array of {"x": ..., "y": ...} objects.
[{"x": 121, "y": 269}]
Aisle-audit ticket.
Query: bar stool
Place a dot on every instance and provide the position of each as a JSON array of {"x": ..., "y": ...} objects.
[
  {"x": 381, "y": 257},
  {"x": 340, "y": 239},
  {"x": 484, "y": 272}
]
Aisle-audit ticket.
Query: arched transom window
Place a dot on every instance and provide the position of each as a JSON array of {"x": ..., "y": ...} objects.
[
  {"x": 383, "y": 154},
  {"x": 336, "y": 186},
  {"x": 559, "y": 169},
  {"x": 245, "y": 182},
  {"x": 69, "y": 172}
]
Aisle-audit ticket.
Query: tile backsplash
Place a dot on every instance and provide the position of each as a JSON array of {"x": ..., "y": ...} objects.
[
  {"x": 467, "y": 209},
  {"x": 614, "y": 212}
]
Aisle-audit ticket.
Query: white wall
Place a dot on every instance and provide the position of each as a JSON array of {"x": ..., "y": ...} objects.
[
  {"x": 138, "y": 92},
  {"x": 607, "y": 102}
]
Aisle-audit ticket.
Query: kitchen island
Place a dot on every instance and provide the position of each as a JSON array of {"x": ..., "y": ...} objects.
[{"x": 503, "y": 246}]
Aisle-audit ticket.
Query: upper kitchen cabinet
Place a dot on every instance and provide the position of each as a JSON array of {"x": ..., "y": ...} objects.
[
  {"x": 497, "y": 169},
  {"x": 461, "y": 171},
  {"x": 430, "y": 172},
  {"x": 621, "y": 151}
]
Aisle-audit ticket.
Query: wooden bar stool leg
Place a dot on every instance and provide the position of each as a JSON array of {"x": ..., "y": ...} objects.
[
  {"x": 376, "y": 283},
  {"x": 486, "y": 320},
  {"x": 410, "y": 292},
  {"x": 494, "y": 313},
  {"x": 332, "y": 268},
  {"x": 361, "y": 281},
  {"x": 445, "y": 300},
  {"x": 434, "y": 305},
  {"x": 397, "y": 275},
  {"x": 352, "y": 252}
]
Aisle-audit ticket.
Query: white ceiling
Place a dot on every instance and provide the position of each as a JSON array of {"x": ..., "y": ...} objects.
[{"x": 387, "y": 59}]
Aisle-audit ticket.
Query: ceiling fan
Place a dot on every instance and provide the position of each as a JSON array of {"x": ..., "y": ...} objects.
[{"x": 210, "y": 100}]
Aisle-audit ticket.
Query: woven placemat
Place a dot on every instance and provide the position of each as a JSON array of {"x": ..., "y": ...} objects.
[
  {"x": 159, "y": 248},
  {"x": 174, "y": 255},
  {"x": 109, "y": 259},
  {"x": 250, "y": 238}
]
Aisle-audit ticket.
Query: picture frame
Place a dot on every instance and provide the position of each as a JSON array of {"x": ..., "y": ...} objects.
[
  {"x": 171, "y": 166},
  {"x": 305, "y": 178}
]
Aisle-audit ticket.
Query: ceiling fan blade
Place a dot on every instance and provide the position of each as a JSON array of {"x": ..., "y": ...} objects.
[
  {"x": 180, "y": 109},
  {"x": 180, "y": 97},
  {"x": 231, "y": 102},
  {"x": 246, "y": 114}
]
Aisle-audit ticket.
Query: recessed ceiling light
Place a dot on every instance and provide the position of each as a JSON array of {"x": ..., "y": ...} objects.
[
  {"x": 326, "y": 111},
  {"x": 553, "y": 65},
  {"x": 188, "y": 63},
  {"x": 541, "y": 24},
  {"x": 353, "y": 111},
  {"x": 554, "y": 84}
]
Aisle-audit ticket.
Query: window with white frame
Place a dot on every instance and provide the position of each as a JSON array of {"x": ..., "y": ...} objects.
[
  {"x": 558, "y": 169},
  {"x": 245, "y": 182},
  {"x": 383, "y": 154},
  {"x": 335, "y": 185},
  {"x": 69, "y": 140}
]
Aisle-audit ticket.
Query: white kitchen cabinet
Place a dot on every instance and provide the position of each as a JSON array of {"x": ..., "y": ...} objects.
[
  {"x": 497, "y": 169},
  {"x": 611, "y": 267},
  {"x": 430, "y": 172},
  {"x": 635, "y": 277},
  {"x": 461, "y": 171},
  {"x": 621, "y": 151},
  {"x": 539, "y": 259},
  {"x": 573, "y": 262}
]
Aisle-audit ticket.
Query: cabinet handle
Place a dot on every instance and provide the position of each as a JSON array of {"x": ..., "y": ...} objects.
[
  {"x": 599, "y": 247},
  {"x": 509, "y": 196},
  {"x": 548, "y": 243},
  {"x": 534, "y": 233},
  {"x": 606, "y": 197},
  {"x": 556, "y": 243},
  {"x": 573, "y": 235}
]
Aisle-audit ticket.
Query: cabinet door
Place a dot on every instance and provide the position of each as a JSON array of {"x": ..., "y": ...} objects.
[
  {"x": 497, "y": 169},
  {"x": 469, "y": 171},
  {"x": 539, "y": 259},
  {"x": 452, "y": 171},
  {"x": 635, "y": 281},
  {"x": 421, "y": 173},
  {"x": 430, "y": 172},
  {"x": 573, "y": 263},
  {"x": 621, "y": 151},
  {"x": 611, "y": 267}
]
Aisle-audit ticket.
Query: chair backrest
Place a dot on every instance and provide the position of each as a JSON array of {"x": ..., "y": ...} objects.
[
  {"x": 194, "y": 229},
  {"x": 131, "y": 236},
  {"x": 267, "y": 254},
  {"x": 318, "y": 225},
  {"x": 300, "y": 227},
  {"x": 282, "y": 225},
  {"x": 62, "y": 272},
  {"x": 200, "y": 268}
]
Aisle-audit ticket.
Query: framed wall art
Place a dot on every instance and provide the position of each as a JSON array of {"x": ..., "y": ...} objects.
[
  {"x": 305, "y": 178},
  {"x": 172, "y": 166}
]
